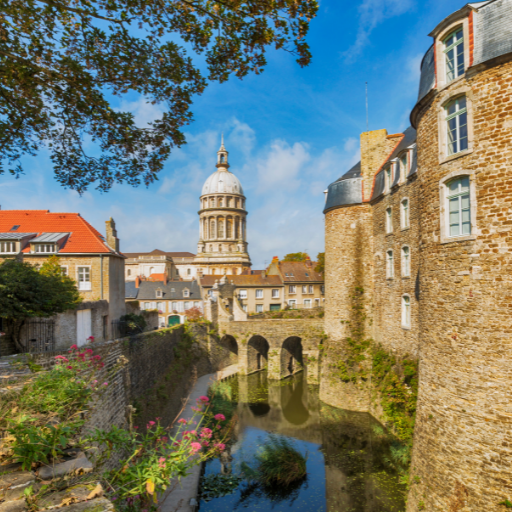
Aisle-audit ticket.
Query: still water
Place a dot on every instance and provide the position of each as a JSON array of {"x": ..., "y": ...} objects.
[{"x": 349, "y": 463}]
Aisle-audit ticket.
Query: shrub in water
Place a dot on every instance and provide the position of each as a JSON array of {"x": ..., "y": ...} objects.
[{"x": 280, "y": 463}]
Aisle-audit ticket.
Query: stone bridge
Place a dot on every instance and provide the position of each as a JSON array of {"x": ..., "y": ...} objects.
[{"x": 283, "y": 346}]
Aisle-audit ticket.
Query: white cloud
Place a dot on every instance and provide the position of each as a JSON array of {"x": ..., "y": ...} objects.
[
  {"x": 143, "y": 111},
  {"x": 371, "y": 14},
  {"x": 413, "y": 68}
]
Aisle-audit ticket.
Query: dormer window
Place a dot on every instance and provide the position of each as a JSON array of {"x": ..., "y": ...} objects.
[
  {"x": 45, "y": 248},
  {"x": 7, "y": 247},
  {"x": 15, "y": 228},
  {"x": 159, "y": 294},
  {"x": 389, "y": 177},
  {"x": 186, "y": 293},
  {"x": 454, "y": 51},
  {"x": 404, "y": 165}
]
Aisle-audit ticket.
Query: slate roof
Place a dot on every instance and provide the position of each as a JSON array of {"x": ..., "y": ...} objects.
[
  {"x": 173, "y": 290},
  {"x": 83, "y": 238},
  {"x": 354, "y": 172},
  {"x": 243, "y": 280}
]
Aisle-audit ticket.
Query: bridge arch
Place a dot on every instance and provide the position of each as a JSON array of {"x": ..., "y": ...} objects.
[
  {"x": 257, "y": 353},
  {"x": 291, "y": 356},
  {"x": 226, "y": 351}
]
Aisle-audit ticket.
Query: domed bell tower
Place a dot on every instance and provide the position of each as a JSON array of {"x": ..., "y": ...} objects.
[{"x": 222, "y": 247}]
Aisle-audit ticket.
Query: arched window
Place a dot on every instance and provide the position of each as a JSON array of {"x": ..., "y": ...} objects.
[
  {"x": 389, "y": 220},
  {"x": 388, "y": 177},
  {"x": 406, "y": 262},
  {"x": 404, "y": 165},
  {"x": 212, "y": 229},
  {"x": 212, "y": 202},
  {"x": 151, "y": 270},
  {"x": 220, "y": 228},
  {"x": 404, "y": 214},
  {"x": 229, "y": 228},
  {"x": 406, "y": 311},
  {"x": 129, "y": 272},
  {"x": 390, "y": 265},
  {"x": 237, "y": 227},
  {"x": 459, "y": 207},
  {"x": 220, "y": 201},
  {"x": 222, "y": 158},
  {"x": 213, "y": 271}
]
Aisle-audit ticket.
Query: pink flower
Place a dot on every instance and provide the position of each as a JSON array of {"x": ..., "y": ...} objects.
[
  {"x": 158, "y": 419},
  {"x": 69, "y": 367},
  {"x": 135, "y": 427},
  {"x": 105, "y": 383},
  {"x": 219, "y": 427},
  {"x": 182, "y": 420},
  {"x": 220, "y": 446},
  {"x": 161, "y": 462},
  {"x": 204, "y": 399},
  {"x": 73, "y": 347},
  {"x": 220, "y": 417},
  {"x": 206, "y": 443},
  {"x": 88, "y": 351},
  {"x": 195, "y": 447},
  {"x": 206, "y": 432},
  {"x": 196, "y": 409},
  {"x": 62, "y": 358}
]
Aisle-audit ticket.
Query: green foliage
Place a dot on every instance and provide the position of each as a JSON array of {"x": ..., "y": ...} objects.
[
  {"x": 296, "y": 256},
  {"x": 218, "y": 485},
  {"x": 280, "y": 463},
  {"x": 134, "y": 323},
  {"x": 63, "y": 60},
  {"x": 320, "y": 263},
  {"x": 507, "y": 503}
]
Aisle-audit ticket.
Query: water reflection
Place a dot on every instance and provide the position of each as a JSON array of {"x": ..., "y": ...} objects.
[{"x": 348, "y": 461}]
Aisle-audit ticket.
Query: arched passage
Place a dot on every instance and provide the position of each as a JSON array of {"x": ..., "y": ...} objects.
[
  {"x": 226, "y": 351},
  {"x": 257, "y": 353},
  {"x": 291, "y": 356},
  {"x": 292, "y": 405}
]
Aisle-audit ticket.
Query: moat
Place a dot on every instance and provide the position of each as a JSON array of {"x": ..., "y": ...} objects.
[{"x": 350, "y": 464}]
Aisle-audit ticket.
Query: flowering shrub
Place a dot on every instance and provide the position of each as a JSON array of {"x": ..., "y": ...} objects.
[{"x": 194, "y": 314}]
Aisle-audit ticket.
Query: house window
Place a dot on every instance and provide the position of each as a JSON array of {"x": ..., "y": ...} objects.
[
  {"x": 64, "y": 270},
  {"x": 189, "y": 272},
  {"x": 323, "y": 289},
  {"x": 160, "y": 306},
  {"x": 45, "y": 247},
  {"x": 243, "y": 294},
  {"x": 389, "y": 265},
  {"x": 129, "y": 272},
  {"x": 404, "y": 213},
  {"x": 179, "y": 309},
  {"x": 84, "y": 278},
  {"x": 291, "y": 289},
  {"x": 304, "y": 289},
  {"x": 310, "y": 289},
  {"x": 147, "y": 305},
  {"x": 403, "y": 165},
  {"x": 389, "y": 220},
  {"x": 244, "y": 307},
  {"x": 457, "y": 125},
  {"x": 307, "y": 303},
  {"x": 454, "y": 51},
  {"x": 275, "y": 294},
  {"x": 406, "y": 311},
  {"x": 259, "y": 308},
  {"x": 259, "y": 294},
  {"x": 7, "y": 247},
  {"x": 196, "y": 304},
  {"x": 459, "y": 207},
  {"x": 187, "y": 305},
  {"x": 174, "y": 306},
  {"x": 186, "y": 293},
  {"x": 389, "y": 177},
  {"x": 292, "y": 303},
  {"x": 406, "y": 262},
  {"x": 159, "y": 294}
]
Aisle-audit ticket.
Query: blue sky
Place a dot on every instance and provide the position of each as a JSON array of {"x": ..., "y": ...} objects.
[{"x": 290, "y": 132}]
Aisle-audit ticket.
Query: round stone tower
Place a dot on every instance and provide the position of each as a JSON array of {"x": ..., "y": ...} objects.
[{"x": 222, "y": 247}]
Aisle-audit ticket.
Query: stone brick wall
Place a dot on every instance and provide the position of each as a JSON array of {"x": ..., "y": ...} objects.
[{"x": 462, "y": 438}]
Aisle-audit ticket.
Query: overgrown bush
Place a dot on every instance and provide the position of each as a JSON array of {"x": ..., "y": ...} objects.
[{"x": 133, "y": 323}]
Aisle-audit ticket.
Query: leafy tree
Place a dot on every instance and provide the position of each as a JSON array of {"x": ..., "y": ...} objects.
[
  {"x": 296, "y": 256},
  {"x": 320, "y": 263},
  {"x": 27, "y": 292},
  {"x": 62, "y": 61}
]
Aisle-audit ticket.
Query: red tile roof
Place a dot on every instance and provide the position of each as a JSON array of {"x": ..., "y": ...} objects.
[
  {"x": 83, "y": 237},
  {"x": 243, "y": 280},
  {"x": 297, "y": 271}
]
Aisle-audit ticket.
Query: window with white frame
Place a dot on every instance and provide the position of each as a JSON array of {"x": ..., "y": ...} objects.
[
  {"x": 160, "y": 306},
  {"x": 292, "y": 303},
  {"x": 454, "y": 54},
  {"x": 196, "y": 304},
  {"x": 186, "y": 305},
  {"x": 389, "y": 177},
  {"x": 7, "y": 247},
  {"x": 186, "y": 293},
  {"x": 390, "y": 268},
  {"x": 45, "y": 248},
  {"x": 174, "y": 306},
  {"x": 159, "y": 294},
  {"x": 310, "y": 289},
  {"x": 179, "y": 309},
  {"x": 459, "y": 207},
  {"x": 259, "y": 294},
  {"x": 406, "y": 262},
  {"x": 244, "y": 307},
  {"x": 259, "y": 308},
  {"x": 147, "y": 305},
  {"x": 243, "y": 294},
  {"x": 406, "y": 311},
  {"x": 275, "y": 294},
  {"x": 404, "y": 166},
  {"x": 305, "y": 289},
  {"x": 404, "y": 214},
  {"x": 292, "y": 289},
  {"x": 457, "y": 125},
  {"x": 389, "y": 220},
  {"x": 64, "y": 270},
  {"x": 307, "y": 303},
  {"x": 84, "y": 278}
]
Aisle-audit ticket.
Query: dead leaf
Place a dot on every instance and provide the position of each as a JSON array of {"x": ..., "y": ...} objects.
[
  {"x": 96, "y": 492},
  {"x": 68, "y": 501}
]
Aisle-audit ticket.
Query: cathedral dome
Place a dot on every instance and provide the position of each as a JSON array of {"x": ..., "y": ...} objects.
[{"x": 222, "y": 182}]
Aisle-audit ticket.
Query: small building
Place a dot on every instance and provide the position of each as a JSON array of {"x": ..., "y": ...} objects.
[
  {"x": 154, "y": 264},
  {"x": 171, "y": 299},
  {"x": 303, "y": 286},
  {"x": 256, "y": 293},
  {"x": 94, "y": 261}
]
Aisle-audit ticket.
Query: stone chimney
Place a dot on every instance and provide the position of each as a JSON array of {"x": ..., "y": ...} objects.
[
  {"x": 166, "y": 278},
  {"x": 111, "y": 232},
  {"x": 137, "y": 282},
  {"x": 376, "y": 146}
]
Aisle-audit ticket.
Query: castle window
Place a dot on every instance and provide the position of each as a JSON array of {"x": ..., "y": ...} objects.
[
  {"x": 259, "y": 294},
  {"x": 404, "y": 213},
  {"x": 406, "y": 262},
  {"x": 457, "y": 125},
  {"x": 459, "y": 207},
  {"x": 406, "y": 312},
  {"x": 390, "y": 268},
  {"x": 454, "y": 51},
  {"x": 389, "y": 220}
]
